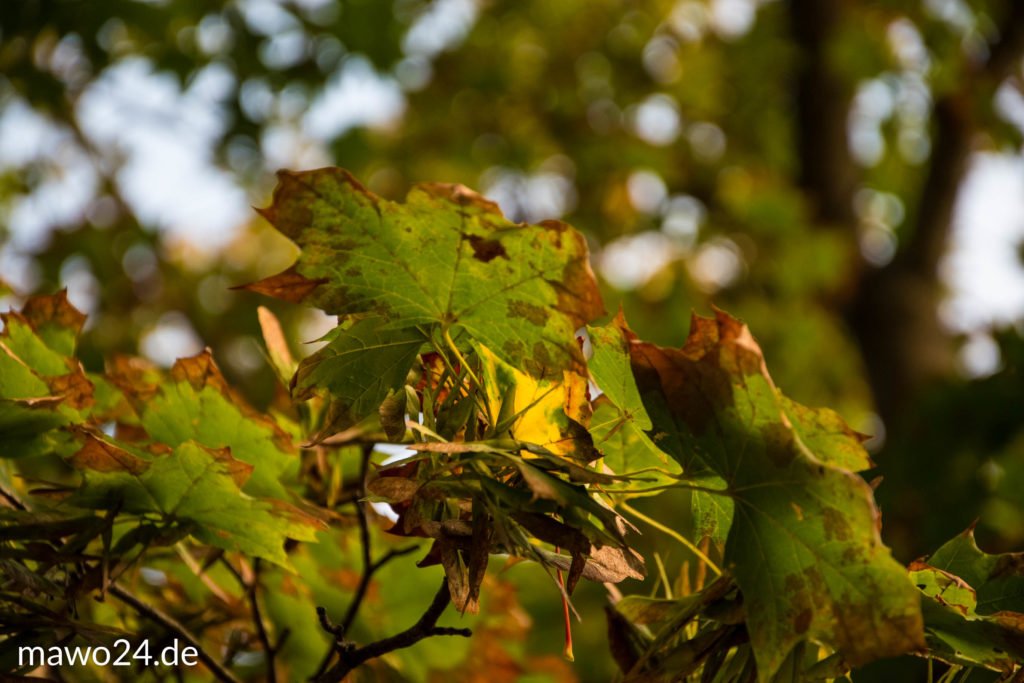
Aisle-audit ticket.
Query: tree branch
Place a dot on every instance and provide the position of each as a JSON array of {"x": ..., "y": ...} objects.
[
  {"x": 902, "y": 298},
  {"x": 157, "y": 616},
  {"x": 369, "y": 568},
  {"x": 827, "y": 172},
  {"x": 352, "y": 657},
  {"x": 364, "y": 537},
  {"x": 261, "y": 628}
]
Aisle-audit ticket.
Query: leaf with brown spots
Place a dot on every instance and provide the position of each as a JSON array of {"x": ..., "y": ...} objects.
[
  {"x": 55, "y": 320},
  {"x": 955, "y": 630},
  {"x": 42, "y": 389},
  {"x": 195, "y": 403},
  {"x": 446, "y": 256},
  {"x": 196, "y": 486},
  {"x": 804, "y": 544}
]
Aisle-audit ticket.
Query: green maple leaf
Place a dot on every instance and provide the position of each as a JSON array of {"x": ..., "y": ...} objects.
[
  {"x": 195, "y": 486},
  {"x": 955, "y": 630},
  {"x": 194, "y": 403},
  {"x": 620, "y": 425},
  {"x": 359, "y": 366},
  {"x": 42, "y": 388},
  {"x": 998, "y": 580},
  {"x": 804, "y": 544},
  {"x": 623, "y": 431},
  {"x": 446, "y": 256}
]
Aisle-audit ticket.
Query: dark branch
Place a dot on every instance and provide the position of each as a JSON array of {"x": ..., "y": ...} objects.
[
  {"x": 1004, "y": 54},
  {"x": 352, "y": 657},
  {"x": 902, "y": 298},
  {"x": 157, "y": 616},
  {"x": 827, "y": 172},
  {"x": 369, "y": 569},
  {"x": 257, "y": 617},
  {"x": 364, "y": 538}
]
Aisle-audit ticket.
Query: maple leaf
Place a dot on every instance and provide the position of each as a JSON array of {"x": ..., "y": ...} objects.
[
  {"x": 974, "y": 606},
  {"x": 42, "y": 387},
  {"x": 194, "y": 403},
  {"x": 621, "y": 425},
  {"x": 191, "y": 484},
  {"x": 446, "y": 256},
  {"x": 804, "y": 544}
]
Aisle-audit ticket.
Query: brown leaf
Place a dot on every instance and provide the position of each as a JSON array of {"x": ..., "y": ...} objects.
[
  {"x": 106, "y": 457},
  {"x": 138, "y": 379},
  {"x": 398, "y": 489},
  {"x": 624, "y": 563},
  {"x": 199, "y": 371},
  {"x": 75, "y": 387},
  {"x": 458, "y": 579},
  {"x": 288, "y": 285},
  {"x": 41, "y": 310},
  {"x": 606, "y": 564},
  {"x": 130, "y": 432}
]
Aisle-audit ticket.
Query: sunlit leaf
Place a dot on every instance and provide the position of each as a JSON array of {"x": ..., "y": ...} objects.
[
  {"x": 620, "y": 426},
  {"x": 445, "y": 256},
  {"x": 536, "y": 409},
  {"x": 194, "y": 403},
  {"x": 193, "y": 485},
  {"x": 998, "y": 580}
]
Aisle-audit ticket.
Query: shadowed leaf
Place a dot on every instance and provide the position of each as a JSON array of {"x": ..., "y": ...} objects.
[
  {"x": 804, "y": 545},
  {"x": 359, "y": 366}
]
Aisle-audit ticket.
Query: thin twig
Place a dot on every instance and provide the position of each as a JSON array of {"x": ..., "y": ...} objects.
[
  {"x": 426, "y": 627},
  {"x": 257, "y": 617},
  {"x": 156, "y": 615},
  {"x": 674, "y": 534},
  {"x": 364, "y": 538}
]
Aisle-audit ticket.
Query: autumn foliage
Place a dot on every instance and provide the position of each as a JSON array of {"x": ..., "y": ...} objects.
[{"x": 144, "y": 503}]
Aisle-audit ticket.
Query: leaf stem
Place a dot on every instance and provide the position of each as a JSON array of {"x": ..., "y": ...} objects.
[
  {"x": 666, "y": 487},
  {"x": 446, "y": 333},
  {"x": 674, "y": 534}
]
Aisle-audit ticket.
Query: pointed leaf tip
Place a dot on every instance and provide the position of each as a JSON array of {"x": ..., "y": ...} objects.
[{"x": 287, "y": 285}]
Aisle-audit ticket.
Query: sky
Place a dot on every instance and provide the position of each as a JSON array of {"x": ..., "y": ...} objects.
[{"x": 165, "y": 135}]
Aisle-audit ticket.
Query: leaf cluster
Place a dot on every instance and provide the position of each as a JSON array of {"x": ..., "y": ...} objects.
[{"x": 529, "y": 432}]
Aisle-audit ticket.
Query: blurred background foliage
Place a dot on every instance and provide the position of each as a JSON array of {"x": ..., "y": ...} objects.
[{"x": 797, "y": 163}]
